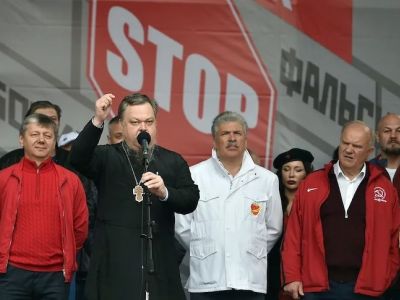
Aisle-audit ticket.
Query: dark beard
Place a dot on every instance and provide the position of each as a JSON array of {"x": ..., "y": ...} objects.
[
  {"x": 391, "y": 151},
  {"x": 137, "y": 156}
]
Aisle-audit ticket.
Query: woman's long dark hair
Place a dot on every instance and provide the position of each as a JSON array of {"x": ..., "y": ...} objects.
[{"x": 308, "y": 167}]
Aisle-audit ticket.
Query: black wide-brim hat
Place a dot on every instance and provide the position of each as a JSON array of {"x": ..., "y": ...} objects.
[{"x": 292, "y": 155}]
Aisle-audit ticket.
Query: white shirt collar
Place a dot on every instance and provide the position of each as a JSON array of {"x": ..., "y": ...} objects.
[
  {"x": 247, "y": 162},
  {"x": 339, "y": 172}
]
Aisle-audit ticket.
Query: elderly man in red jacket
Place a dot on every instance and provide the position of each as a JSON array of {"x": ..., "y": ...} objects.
[
  {"x": 341, "y": 240},
  {"x": 43, "y": 218}
]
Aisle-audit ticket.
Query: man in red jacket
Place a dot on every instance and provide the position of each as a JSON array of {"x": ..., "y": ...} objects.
[
  {"x": 341, "y": 241},
  {"x": 388, "y": 138},
  {"x": 43, "y": 218}
]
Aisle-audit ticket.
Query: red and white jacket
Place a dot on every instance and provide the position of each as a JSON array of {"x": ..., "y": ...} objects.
[
  {"x": 72, "y": 208},
  {"x": 303, "y": 252}
]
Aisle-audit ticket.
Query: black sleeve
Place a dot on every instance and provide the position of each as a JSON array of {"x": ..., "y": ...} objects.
[
  {"x": 83, "y": 155},
  {"x": 183, "y": 193},
  {"x": 11, "y": 158}
]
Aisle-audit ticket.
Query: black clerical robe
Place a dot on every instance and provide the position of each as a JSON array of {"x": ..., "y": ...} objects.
[{"x": 119, "y": 251}]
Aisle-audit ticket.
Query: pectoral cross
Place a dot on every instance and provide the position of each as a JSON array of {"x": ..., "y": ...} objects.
[{"x": 138, "y": 192}]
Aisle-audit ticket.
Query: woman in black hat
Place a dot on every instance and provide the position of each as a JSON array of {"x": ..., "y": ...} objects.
[{"x": 292, "y": 167}]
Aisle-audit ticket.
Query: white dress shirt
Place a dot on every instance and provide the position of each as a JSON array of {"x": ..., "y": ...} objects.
[{"x": 347, "y": 186}]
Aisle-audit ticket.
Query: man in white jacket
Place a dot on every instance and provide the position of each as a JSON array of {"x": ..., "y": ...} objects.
[{"x": 237, "y": 221}]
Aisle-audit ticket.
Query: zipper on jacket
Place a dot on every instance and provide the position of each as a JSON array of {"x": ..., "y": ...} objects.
[
  {"x": 15, "y": 218},
  {"x": 322, "y": 248},
  {"x": 63, "y": 230},
  {"x": 12, "y": 232}
]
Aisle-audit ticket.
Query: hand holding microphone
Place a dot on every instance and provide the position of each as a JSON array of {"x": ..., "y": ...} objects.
[{"x": 153, "y": 182}]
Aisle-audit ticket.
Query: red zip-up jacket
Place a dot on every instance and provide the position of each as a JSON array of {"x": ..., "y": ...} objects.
[
  {"x": 72, "y": 208},
  {"x": 303, "y": 252}
]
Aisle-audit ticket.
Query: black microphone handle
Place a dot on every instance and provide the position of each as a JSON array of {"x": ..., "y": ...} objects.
[{"x": 145, "y": 146}]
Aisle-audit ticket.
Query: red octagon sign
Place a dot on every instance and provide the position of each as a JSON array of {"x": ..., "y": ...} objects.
[{"x": 195, "y": 57}]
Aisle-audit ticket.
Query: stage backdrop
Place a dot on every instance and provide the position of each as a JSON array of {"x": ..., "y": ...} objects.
[{"x": 297, "y": 70}]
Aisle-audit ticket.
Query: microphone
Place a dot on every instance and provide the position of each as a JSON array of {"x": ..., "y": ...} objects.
[{"x": 144, "y": 139}]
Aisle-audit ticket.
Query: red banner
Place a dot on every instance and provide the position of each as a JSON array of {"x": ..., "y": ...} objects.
[
  {"x": 194, "y": 57},
  {"x": 329, "y": 22}
]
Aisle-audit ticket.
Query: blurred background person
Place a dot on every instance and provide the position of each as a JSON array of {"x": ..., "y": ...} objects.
[
  {"x": 66, "y": 139},
  {"x": 292, "y": 167},
  {"x": 115, "y": 131},
  {"x": 388, "y": 138}
]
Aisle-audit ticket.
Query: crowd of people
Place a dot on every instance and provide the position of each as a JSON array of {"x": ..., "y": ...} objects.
[{"x": 79, "y": 220}]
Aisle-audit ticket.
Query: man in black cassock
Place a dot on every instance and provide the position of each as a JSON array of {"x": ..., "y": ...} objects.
[{"x": 119, "y": 268}]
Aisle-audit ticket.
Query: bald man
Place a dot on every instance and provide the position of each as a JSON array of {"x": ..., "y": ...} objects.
[{"x": 341, "y": 240}]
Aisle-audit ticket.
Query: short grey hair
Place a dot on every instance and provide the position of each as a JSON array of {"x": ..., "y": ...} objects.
[
  {"x": 41, "y": 120},
  {"x": 228, "y": 116},
  {"x": 363, "y": 124}
]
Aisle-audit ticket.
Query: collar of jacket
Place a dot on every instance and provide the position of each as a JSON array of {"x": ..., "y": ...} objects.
[
  {"x": 378, "y": 160},
  {"x": 17, "y": 172},
  {"x": 373, "y": 169},
  {"x": 247, "y": 163}
]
